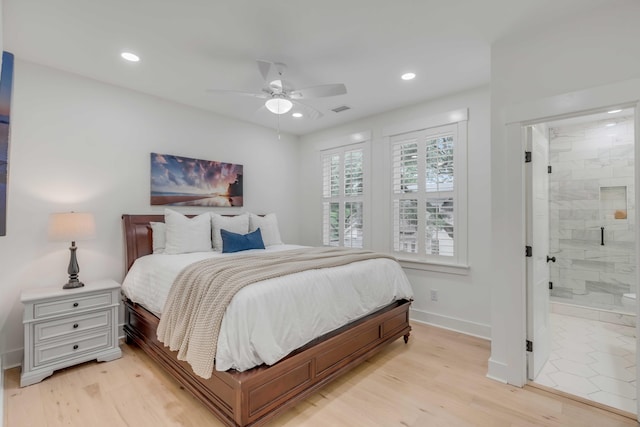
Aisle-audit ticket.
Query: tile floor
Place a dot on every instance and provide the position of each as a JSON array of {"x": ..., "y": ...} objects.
[{"x": 592, "y": 359}]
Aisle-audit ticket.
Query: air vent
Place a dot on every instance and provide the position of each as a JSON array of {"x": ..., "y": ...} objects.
[{"x": 340, "y": 109}]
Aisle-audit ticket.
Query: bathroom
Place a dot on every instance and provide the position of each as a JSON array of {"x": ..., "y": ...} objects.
[{"x": 594, "y": 261}]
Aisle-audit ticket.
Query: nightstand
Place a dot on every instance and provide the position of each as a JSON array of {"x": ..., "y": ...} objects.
[{"x": 64, "y": 327}]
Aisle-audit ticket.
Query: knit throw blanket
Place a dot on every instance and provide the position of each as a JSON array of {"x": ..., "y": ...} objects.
[{"x": 192, "y": 315}]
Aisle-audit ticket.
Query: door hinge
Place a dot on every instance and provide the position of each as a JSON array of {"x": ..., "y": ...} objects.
[
  {"x": 549, "y": 169},
  {"x": 528, "y": 251},
  {"x": 529, "y": 346},
  {"x": 527, "y": 156},
  {"x": 550, "y": 285}
]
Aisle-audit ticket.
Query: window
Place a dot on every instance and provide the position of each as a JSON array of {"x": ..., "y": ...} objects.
[
  {"x": 343, "y": 195},
  {"x": 428, "y": 204}
]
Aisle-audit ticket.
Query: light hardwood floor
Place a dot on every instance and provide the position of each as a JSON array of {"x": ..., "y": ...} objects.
[{"x": 437, "y": 379}]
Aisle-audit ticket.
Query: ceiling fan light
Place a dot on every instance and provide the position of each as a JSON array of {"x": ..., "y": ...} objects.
[{"x": 278, "y": 105}]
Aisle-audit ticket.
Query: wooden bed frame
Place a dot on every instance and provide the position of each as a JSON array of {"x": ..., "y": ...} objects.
[{"x": 254, "y": 397}]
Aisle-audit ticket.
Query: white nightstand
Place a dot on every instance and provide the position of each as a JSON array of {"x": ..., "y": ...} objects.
[{"x": 64, "y": 327}]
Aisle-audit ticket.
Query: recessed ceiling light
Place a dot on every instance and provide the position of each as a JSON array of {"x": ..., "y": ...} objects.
[
  {"x": 613, "y": 111},
  {"x": 297, "y": 115},
  {"x": 408, "y": 76},
  {"x": 610, "y": 124},
  {"x": 130, "y": 56}
]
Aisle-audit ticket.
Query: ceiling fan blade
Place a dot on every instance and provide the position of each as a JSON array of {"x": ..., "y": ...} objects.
[
  {"x": 319, "y": 91},
  {"x": 306, "y": 110},
  {"x": 276, "y": 85},
  {"x": 280, "y": 67},
  {"x": 280, "y": 86},
  {"x": 261, "y": 95},
  {"x": 264, "y": 67}
]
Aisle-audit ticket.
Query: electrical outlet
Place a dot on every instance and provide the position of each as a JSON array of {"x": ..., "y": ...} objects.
[{"x": 434, "y": 295}]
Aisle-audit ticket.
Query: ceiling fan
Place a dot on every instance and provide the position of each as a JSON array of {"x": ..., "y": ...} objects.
[{"x": 281, "y": 96}]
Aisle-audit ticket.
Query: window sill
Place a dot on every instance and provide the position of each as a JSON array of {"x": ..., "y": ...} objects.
[{"x": 415, "y": 264}]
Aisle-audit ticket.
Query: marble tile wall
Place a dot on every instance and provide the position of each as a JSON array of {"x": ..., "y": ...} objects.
[{"x": 592, "y": 171}]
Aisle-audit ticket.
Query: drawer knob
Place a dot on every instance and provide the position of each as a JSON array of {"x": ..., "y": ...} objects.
[
  {"x": 75, "y": 325},
  {"x": 75, "y": 304},
  {"x": 75, "y": 346}
]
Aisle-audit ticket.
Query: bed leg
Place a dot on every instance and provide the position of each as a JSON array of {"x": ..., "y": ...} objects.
[{"x": 406, "y": 337}]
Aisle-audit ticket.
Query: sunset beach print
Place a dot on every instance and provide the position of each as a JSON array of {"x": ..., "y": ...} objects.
[
  {"x": 6, "y": 81},
  {"x": 182, "y": 181}
]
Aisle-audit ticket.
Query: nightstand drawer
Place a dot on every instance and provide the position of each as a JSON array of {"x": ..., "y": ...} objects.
[
  {"x": 70, "y": 305},
  {"x": 67, "y": 349},
  {"x": 71, "y": 325}
]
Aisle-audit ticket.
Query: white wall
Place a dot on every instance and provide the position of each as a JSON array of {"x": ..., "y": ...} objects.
[
  {"x": 581, "y": 51},
  {"x": 77, "y": 144},
  {"x": 553, "y": 67},
  {"x": 464, "y": 300}
]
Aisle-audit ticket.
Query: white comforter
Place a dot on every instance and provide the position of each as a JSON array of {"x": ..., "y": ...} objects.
[{"x": 267, "y": 320}]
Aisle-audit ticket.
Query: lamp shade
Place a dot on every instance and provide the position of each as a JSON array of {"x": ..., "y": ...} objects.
[
  {"x": 71, "y": 226},
  {"x": 278, "y": 105}
]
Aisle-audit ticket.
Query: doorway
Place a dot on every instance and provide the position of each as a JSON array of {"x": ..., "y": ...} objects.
[{"x": 581, "y": 305}]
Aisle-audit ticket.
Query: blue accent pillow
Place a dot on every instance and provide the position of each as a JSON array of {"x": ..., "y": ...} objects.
[{"x": 234, "y": 242}]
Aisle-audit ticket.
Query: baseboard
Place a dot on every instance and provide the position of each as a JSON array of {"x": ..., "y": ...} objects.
[
  {"x": 451, "y": 323},
  {"x": 12, "y": 358},
  {"x": 497, "y": 371}
]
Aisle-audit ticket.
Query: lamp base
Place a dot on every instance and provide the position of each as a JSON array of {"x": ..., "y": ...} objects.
[
  {"x": 73, "y": 284},
  {"x": 73, "y": 270}
]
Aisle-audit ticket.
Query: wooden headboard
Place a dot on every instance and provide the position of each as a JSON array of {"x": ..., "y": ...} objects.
[{"x": 137, "y": 235}]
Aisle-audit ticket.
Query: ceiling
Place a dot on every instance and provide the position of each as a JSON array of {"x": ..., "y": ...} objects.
[{"x": 189, "y": 46}]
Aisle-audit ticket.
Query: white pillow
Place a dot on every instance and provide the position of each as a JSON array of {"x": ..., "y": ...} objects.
[
  {"x": 158, "y": 236},
  {"x": 268, "y": 226},
  {"x": 236, "y": 224},
  {"x": 186, "y": 235}
]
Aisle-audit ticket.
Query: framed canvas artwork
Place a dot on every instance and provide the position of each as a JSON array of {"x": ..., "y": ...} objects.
[
  {"x": 182, "y": 181},
  {"x": 6, "y": 82}
]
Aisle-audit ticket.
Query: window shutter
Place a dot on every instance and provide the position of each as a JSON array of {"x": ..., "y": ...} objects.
[
  {"x": 353, "y": 224},
  {"x": 353, "y": 177},
  {"x": 405, "y": 166},
  {"x": 343, "y": 197},
  {"x": 331, "y": 224},
  {"x": 439, "y": 171},
  {"x": 405, "y": 225},
  {"x": 405, "y": 186},
  {"x": 330, "y": 175},
  {"x": 423, "y": 192},
  {"x": 440, "y": 227},
  {"x": 440, "y": 179}
]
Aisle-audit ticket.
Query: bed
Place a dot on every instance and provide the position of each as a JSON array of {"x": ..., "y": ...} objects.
[{"x": 255, "y": 396}]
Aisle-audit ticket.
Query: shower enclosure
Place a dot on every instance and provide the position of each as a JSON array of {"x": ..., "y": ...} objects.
[{"x": 592, "y": 212}]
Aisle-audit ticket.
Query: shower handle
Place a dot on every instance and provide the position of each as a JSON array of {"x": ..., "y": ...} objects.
[{"x": 552, "y": 259}]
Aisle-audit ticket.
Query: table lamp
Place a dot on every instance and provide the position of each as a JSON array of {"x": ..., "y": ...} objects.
[{"x": 72, "y": 226}]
